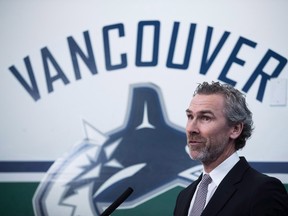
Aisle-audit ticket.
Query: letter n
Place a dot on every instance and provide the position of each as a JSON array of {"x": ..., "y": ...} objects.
[{"x": 89, "y": 60}]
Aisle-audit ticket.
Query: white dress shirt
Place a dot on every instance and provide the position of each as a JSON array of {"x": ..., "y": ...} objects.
[{"x": 217, "y": 176}]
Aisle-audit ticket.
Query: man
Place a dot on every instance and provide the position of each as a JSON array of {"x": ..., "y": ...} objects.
[{"x": 219, "y": 123}]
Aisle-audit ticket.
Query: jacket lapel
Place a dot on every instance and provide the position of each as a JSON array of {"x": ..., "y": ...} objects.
[{"x": 226, "y": 189}]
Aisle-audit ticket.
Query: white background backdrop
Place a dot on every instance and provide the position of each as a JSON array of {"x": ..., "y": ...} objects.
[{"x": 45, "y": 129}]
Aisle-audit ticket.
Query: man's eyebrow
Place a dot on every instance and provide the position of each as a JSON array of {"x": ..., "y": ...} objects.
[
  {"x": 202, "y": 112},
  {"x": 206, "y": 112}
]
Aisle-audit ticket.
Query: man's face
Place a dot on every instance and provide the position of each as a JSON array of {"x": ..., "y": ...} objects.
[{"x": 207, "y": 130}]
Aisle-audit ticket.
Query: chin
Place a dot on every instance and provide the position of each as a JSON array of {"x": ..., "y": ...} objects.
[{"x": 194, "y": 155}]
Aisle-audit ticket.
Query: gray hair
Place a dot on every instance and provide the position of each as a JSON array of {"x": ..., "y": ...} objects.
[{"x": 236, "y": 109}]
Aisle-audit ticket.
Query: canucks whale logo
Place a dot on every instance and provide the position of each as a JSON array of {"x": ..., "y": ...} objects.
[{"x": 147, "y": 153}]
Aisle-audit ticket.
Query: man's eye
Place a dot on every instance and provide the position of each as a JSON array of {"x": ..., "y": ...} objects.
[
  {"x": 189, "y": 116},
  {"x": 205, "y": 118}
]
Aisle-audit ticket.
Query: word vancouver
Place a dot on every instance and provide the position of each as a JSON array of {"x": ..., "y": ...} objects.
[{"x": 115, "y": 59}]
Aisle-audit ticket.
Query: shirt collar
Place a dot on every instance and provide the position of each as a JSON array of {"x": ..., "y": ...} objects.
[{"x": 222, "y": 169}]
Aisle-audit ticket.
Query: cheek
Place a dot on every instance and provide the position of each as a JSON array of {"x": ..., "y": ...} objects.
[
  {"x": 208, "y": 131},
  {"x": 212, "y": 133},
  {"x": 218, "y": 138}
]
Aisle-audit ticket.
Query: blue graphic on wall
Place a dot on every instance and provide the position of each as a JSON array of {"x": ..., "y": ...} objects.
[{"x": 147, "y": 153}]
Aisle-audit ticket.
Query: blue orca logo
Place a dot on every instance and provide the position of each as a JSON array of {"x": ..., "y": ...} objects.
[{"x": 147, "y": 153}]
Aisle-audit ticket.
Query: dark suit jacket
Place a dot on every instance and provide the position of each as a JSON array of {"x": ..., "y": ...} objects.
[{"x": 243, "y": 191}]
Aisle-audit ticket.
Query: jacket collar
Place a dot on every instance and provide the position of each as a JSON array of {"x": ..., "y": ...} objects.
[{"x": 227, "y": 188}]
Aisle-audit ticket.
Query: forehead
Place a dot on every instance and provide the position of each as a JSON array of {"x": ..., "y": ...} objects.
[{"x": 213, "y": 103}]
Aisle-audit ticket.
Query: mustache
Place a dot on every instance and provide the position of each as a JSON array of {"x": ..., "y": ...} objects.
[{"x": 195, "y": 137}]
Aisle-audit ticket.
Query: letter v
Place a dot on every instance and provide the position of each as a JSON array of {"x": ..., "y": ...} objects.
[
  {"x": 33, "y": 89},
  {"x": 205, "y": 62}
]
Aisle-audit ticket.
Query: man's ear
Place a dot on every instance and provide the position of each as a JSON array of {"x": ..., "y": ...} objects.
[{"x": 236, "y": 130}]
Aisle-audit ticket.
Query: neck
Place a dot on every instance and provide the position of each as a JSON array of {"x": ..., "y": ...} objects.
[{"x": 209, "y": 166}]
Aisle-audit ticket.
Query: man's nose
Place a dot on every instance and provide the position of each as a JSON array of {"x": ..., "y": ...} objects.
[{"x": 192, "y": 126}]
